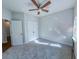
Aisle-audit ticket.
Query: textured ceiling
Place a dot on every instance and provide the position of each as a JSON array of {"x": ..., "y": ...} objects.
[{"x": 25, "y": 5}]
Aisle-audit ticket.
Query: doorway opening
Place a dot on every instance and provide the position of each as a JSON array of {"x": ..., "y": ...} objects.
[{"x": 6, "y": 37}]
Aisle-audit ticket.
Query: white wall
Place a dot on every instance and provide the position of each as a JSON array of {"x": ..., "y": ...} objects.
[
  {"x": 17, "y": 16},
  {"x": 57, "y": 27},
  {"x": 75, "y": 11},
  {"x": 6, "y": 14}
]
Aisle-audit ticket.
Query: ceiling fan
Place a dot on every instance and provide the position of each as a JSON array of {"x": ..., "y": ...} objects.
[{"x": 40, "y": 7}]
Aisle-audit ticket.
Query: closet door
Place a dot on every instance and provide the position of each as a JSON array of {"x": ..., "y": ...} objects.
[
  {"x": 16, "y": 32},
  {"x": 35, "y": 30},
  {"x": 32, "y": 30}
]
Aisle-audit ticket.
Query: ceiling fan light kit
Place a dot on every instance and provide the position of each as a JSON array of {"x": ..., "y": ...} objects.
[{"x": 39, "y": 7}]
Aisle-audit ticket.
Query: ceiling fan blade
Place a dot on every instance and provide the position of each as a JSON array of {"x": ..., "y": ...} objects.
[
  {"x": 32, "y": 9},
  {"x": 44, "y": 10},
  {"x": 35, "y": 3},
  {"x": 46, "y": 4}
]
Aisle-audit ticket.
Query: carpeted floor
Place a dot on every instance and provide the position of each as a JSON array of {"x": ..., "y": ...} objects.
[{"x": 39, "y": 49}]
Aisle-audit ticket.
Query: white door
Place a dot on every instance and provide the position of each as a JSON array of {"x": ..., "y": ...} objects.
[
  {"x": 16, "y": 32},
  {"x": 35, "y": 30},
  {"x": 32, "y": 30}
]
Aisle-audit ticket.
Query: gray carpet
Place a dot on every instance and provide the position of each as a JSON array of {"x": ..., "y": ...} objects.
[{"x": 39, "y": 49}]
